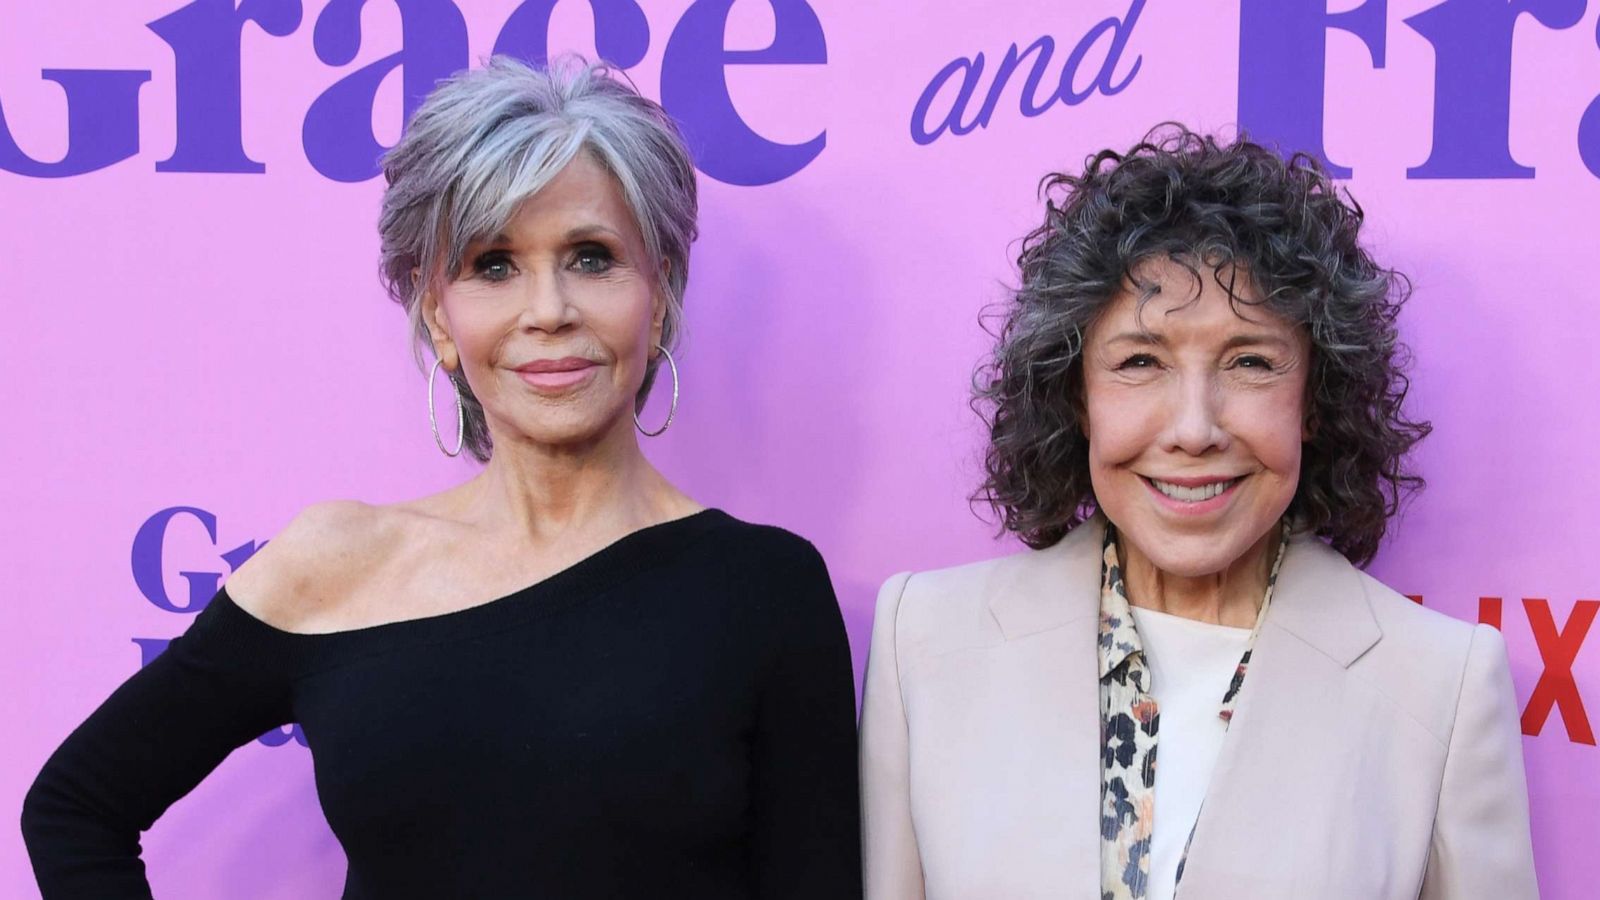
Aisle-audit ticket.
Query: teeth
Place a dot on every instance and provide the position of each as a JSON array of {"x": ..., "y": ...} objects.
[{"x": 1192, "y": 494}]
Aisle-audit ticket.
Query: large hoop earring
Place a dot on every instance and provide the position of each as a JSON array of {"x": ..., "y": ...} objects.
[
  {"x": 461, "y": 412},
  {"x": 673, "y": 411}
]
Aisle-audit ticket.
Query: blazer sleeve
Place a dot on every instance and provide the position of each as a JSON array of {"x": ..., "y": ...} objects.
[
  {"x": 892, "y": 866},
  {"x": 1481, "y": 842}
]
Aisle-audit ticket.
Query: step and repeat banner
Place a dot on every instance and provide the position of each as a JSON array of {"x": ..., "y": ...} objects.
[{"x": 196, "y": 345}]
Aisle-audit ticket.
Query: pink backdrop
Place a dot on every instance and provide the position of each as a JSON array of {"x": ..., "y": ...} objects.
[{"x": 217, "y": 340}]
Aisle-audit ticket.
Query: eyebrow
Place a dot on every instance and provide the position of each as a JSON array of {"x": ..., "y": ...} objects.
[
  {"x": 1142, "y": 338},
  {"x": 1255, "y": 340},
  {"x": 1153, "y": 339},
  {"x": 573, "y": 235},
  {"x": 588, "y": 232}
]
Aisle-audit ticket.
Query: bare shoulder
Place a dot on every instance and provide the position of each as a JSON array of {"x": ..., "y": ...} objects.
[{"x": 314, "y": 560}]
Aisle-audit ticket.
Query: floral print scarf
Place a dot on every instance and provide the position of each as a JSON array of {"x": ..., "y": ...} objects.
[{"x": 1129, "y": 723}]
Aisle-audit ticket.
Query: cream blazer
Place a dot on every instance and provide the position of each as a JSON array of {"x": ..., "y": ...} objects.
[{"x": 1375, "y": 751}]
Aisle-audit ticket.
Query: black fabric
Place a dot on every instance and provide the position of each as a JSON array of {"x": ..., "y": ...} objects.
[{"x": 672, "y": 716}]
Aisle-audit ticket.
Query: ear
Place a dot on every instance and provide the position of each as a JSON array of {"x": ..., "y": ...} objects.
[
  {"x": 437, "y": 322},
  {"x": 658, "y": 310}
]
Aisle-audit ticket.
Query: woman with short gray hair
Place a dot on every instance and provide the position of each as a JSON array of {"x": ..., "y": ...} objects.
[{"x": 564, "y": 677}]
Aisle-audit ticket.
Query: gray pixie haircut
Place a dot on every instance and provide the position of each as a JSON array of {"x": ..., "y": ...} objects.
[{"x": 487, "y": 139}]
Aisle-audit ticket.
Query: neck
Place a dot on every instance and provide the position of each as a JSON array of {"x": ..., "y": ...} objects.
[
  {"x": 601, "y": 489},
  {"x": 1230, "y": 597}
]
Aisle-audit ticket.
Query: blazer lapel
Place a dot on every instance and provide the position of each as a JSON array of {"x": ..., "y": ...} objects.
[
  {"x": 1047, "y": 607},
  {"x": 1263, "y": 830}
]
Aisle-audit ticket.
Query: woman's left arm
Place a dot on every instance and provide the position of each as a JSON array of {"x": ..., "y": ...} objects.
[
  {"x": 1481, "y": 844},
  {"x": 806, "y": 799}
]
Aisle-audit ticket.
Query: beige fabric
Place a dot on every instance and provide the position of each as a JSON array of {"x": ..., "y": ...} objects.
[{"x": 1376, "y": 753}]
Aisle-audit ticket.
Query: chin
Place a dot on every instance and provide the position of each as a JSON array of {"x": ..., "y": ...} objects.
[
  {"x": 569, "y": 434},
  {"x": 1187, "y": 555},
  {"x": 562, "y": 427},
  {"x": 1187, "y": 566}
]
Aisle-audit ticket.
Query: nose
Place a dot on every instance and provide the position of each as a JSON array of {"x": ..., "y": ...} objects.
[
  {"x": 547, "y": 305},
  {"x": 1194, "y": 423}
]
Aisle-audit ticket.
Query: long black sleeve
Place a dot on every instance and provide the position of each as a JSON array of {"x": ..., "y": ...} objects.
[
  {"x": 807, "y": 835},
  {"x": 159, "y": 734}
]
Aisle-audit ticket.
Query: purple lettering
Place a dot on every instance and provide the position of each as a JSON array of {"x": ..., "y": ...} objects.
[
  {"x": 102, "y": 123},
  {"x": 621, "y": 32},
  {"x": 1472, "y": 82},
  {"x": 148, "y": 544},
  {"x": 1028, "y": 101},
  {"x": 972, "y": 71},
  {"x": 277, "y": 737},
  {"x": 1283, "y": 51},
  {"x": 150, "y": 648},
  {"x": 204, "y": 37},
  {"x": 1589, "y": 128},
  {"x": 1104, "y": 80},
  {"x": 694, "y": 87},
  {"x": 338, "y": 134}
]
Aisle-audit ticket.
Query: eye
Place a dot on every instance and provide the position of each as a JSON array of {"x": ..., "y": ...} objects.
[
  {"x": 494, "y": 265},
  {"x": 1138, "y": 361},
  {"x": 592, "y": 259},
  {"x": 1252, "y": 361}
]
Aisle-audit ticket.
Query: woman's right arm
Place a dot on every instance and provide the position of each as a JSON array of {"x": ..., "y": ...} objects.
[
  {"x": 893, "y": 867},
  {"x": 221, "y": 684},
  {"x": 218, "y": 686}
]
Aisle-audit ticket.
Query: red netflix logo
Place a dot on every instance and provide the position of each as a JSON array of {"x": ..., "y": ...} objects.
[{"x": 1557, "y": 687}]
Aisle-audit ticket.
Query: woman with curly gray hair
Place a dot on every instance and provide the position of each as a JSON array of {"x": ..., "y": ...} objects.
[
  {"x": 1196, "y": 425},
  {"x": 563, "y": 677}
]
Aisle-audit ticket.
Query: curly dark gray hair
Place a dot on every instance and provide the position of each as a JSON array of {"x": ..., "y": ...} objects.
[{"x": 1243, "y": 212}]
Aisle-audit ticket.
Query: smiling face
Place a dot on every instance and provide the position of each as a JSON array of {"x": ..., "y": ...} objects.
[
  {"x": 1195, "y": 419},
  {"x": 554, "y": 320}
]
